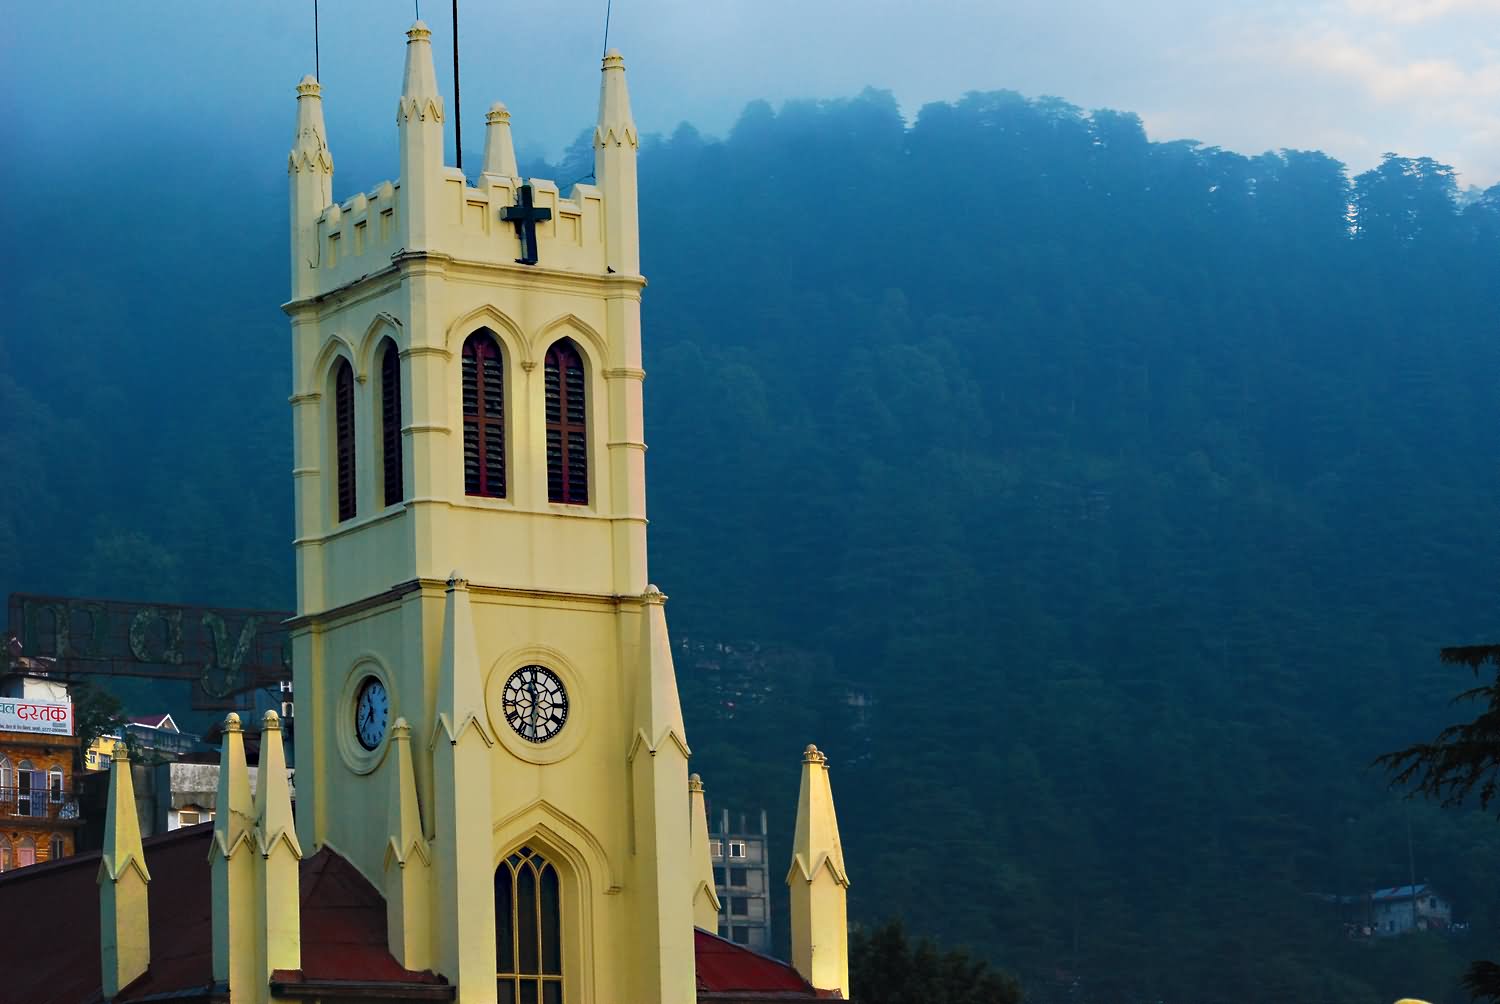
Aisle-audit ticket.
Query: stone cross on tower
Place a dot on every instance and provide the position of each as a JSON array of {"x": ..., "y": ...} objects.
[{"x": 526, "y": 216}]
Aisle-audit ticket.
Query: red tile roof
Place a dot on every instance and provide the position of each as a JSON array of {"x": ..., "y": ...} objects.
[
  {"x": 731, "y": 970},
  {"x": 53, "y": 957}
]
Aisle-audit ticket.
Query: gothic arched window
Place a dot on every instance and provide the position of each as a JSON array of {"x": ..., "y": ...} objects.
[
  {"x": 484, "y": 416},
  {"x": 390, "y": 423},
  {"x": 528, "y": 930},
  {"x": 343, "y": 434},
  {"x": 567, "y": 426},
  {"x": 7, "y": 780}
]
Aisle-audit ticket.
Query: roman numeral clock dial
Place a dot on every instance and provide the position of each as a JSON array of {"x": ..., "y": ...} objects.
[
  {"x": 535, "y": 703},
  {"x": 372, "y": 712}
]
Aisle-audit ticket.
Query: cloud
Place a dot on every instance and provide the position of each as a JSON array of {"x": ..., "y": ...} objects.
[{"x": 1417, "y": 11}]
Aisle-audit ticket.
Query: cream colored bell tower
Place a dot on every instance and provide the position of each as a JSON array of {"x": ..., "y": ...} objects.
[{"x": 488, "y": 724}]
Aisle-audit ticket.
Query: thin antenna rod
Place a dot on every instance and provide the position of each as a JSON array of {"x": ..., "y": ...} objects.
[
  {"x": 317, "y": 67},
  {"x": 608, "y": 8},
  {"x": 458, "y": 117},
  {"x": 416, "y": 5}
]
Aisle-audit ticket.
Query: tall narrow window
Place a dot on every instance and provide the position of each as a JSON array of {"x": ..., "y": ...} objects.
[
  {"x": 567, "y": 426},
  {"x": 390, "y": 423},
  {"x": 4, "y": 855},
  {"x": 7, "y": 780},
  {"x": 25, "y": 852},
  {"x": 55, "y": 784},
  {"x": 343, "y": 418},
  {"x": 528, "y": 935},
  {"x": 484, "y": 416},
  {"x": 27, "y": 797},
  {"x": 55, "y": 847}
]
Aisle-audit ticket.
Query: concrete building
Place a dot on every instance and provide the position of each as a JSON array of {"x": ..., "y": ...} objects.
[
  {"x": 742, "y": 878},
  {"x": 39, "y": 814}
]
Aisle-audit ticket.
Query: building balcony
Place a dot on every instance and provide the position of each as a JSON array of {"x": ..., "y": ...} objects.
[{"x": 38, "y": 806}]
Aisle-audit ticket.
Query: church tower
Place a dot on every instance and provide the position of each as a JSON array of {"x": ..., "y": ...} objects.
[{"x": 488, "y": 720}]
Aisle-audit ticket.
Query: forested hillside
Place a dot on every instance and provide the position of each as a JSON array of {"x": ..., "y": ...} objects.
[{"x": 1099, "y": 505}]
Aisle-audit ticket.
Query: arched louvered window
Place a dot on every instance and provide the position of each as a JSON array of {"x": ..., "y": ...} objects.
[
  {"x": 343, "y": 430},
  {"x": 484, "y": 416},
  {"x": 528, "y": 930},
  {"x": 25, "y": 852},
  {"x": 390, "y": 423},
  {"x": 567, "y": 426},
  {"x": 55, "y": 847}
]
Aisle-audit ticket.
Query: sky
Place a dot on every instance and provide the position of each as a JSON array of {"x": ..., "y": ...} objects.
[{"x": 1355, "y": 78}]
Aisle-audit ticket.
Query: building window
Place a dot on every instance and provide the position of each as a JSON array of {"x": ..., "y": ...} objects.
[
  {"x": 29, "y": 798},
  {"x": 741, "y": 935},
  {"x": 55, "y": 848},
  {"x": 736, "y": 848},
  {"x": 7, "y": 780},
  {"x": 5, "y": 865},
  {"x": 715, "y": 849},
  {"x": 739, "y": 878},
  {"x": 484, "y": 416},
  {"x": 739, "y": 906},
  {"x": 55, "y": 784},
  {"x": 528, "y": 930},
  {"x": 343, "y": 418},
  {"x": 567, "y": 426},
  {"x": 390, "y": 423},
  {"x": 188, "y": 817},
  {"x": 25, "y": 852}
]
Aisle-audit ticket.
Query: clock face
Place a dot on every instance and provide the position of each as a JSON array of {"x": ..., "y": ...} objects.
[
  {"x": 535, "y": 703},
  {"x": 372, "y": 712}
]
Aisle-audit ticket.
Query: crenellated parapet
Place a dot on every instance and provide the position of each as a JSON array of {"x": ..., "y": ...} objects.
[
  {"x": 357, "y": 238},
  {"x": 433, "y": 208}
]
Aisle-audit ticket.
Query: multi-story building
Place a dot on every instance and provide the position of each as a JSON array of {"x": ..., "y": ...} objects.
[
  {"x": 742, "y": 879},
  {"x": 39, "y": 816}
]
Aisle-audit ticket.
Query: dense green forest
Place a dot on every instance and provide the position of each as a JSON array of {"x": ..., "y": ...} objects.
[{"x": 1099, "y": 505}]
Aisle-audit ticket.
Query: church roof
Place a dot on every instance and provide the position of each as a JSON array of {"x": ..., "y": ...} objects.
[
  {"x": 53, "y": 958},
  {"x": 730, "y": 973}
]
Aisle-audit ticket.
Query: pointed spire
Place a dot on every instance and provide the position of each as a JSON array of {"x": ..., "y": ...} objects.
[
  {"x": 658, "y": 712},
  {"x": 615, "y": 126},
  {"x": 463, "y": 910},
  {"x": 280, "y": 908},
  {"x": 231, "y": 857},
  {"x": 460, "y": 685},
  {"x": 615, "y": 145},
  {"x": 310, "y": 145},
  {"x": 407, "y": 860},
  {"x": 819, "y": 914},
  {"x": 273, "y": 796},
  {"x": 706, "y": 904},
  {"x": 419, "y": 92},
  {"x": 234, "y": 813},
  {"x": 499, "y": 149},
  {"x": 124, "y": 928},
  {"x": 310, "y": 173}
]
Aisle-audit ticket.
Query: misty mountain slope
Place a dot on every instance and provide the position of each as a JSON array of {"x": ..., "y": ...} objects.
[{"x": 1098, "y": 505}]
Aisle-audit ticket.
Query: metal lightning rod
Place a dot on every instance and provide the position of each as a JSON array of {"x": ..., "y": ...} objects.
[{"x": 458, "y": 119}]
